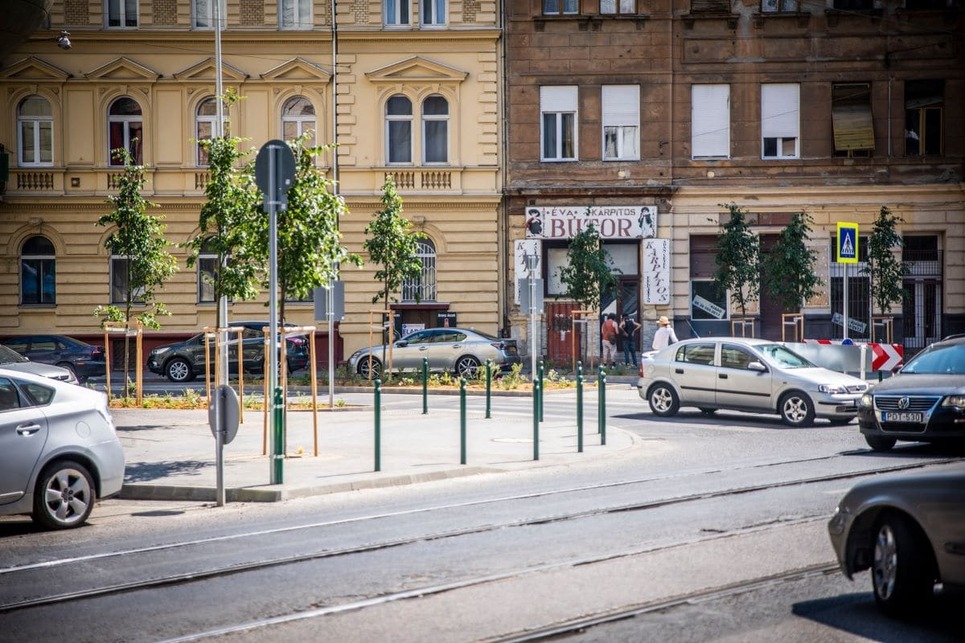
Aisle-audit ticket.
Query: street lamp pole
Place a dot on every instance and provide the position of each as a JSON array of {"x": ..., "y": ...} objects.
[{"x": 222, "y": 338}]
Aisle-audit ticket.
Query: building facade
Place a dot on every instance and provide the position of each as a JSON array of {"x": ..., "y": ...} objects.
[
  {"x": 665, "y": 112},
  {"x": 413, "y": 94}
]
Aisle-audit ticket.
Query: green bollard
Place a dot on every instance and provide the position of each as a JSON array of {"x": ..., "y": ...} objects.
[
  {"x": 542, "y": 390},
  {"x": 579, "y": 407},
  {"x": 279, "y": 434},
  {"x": 536, "y": 420},
  {"x": 462, "y": 420},
  {"x": 602, "y": 427},
  {"x": 489, "y": 387},
  {"x": 425, "y": 386},
  {"x": 378, "y": 425}
]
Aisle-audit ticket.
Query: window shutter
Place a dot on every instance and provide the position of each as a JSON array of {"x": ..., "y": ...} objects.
[
  {"x": 710, "y": 121},
  {"x": 558, "y": 99},
  {"x": 621, "y": 105},
  {"x": 780, "y": 111}
]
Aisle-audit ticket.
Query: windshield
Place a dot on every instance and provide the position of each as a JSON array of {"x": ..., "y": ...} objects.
[
  {"x": 783, "y": 356},
  {"x": 941, "y": 360},
  {"x": 10, "y": 356}
]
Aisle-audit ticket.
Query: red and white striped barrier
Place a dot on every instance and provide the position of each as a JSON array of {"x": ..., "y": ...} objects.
[{"x": 884, "y": 357}]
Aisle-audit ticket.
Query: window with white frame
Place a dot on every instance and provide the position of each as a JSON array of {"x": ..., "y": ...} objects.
[
  {"x": 121, "y": 13},
  {"x": 558, "y": 113},
  {"x": 621, "y": 122},
  {"x": 779, "y": 6},
  {"x": 125, "y": 130},
  {"x": 618, "y": 6},
  {"x": 398, "y": 129},
  {"x": 207, "y": 272},
  {"x": 396, "y": 12},
  {"x": 35, "y": 129},
  {"x": 202, "y": 13},
  {"x": 422, "y": 288},
  {"x": 297, "y": 118},
  {"x": 780, "y": 121},
  {"x": 38, "y": 271},
  {"x": 434, "y": 13},
  {"x": 206, "y": 124},
  {"x": 295, "y": 14},
  {"x": 558, "y": 7},
  {"x": 435, "y": 130},
  {"x": 710, "y": 121},
  {"x": 121, "y": 282}
]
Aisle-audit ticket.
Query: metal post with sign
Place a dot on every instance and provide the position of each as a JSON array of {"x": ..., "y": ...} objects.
[
  {"x": 274, "y": 172},
  {"x": 223, "y": 418},
  {"x": 846, "y": 252}
]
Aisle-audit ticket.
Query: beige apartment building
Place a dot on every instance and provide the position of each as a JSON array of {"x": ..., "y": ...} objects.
[{"x": 414, "y": 94}]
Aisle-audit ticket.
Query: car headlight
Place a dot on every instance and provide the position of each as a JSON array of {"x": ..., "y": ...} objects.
[
  {"x": 833, "y": 389},
  {"x": 157, "y": 352},
  {"x": 955, "y": 401},
  {"x": 839, "y": 520},
  {"x": 866, "y": 401}
]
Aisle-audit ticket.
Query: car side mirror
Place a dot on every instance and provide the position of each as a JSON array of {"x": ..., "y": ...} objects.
[
  {"x": 402, "y": 343},
  {"x": 756, "y": 366}
]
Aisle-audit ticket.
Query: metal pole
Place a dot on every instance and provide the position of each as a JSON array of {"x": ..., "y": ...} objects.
[
  {"x": 378, "y": 425},
  {"x": 542, "y": 390},
  {"x": 335, "y": 191},
  {"x": 845, "y": 266},
  {"x": 462, "y": 420},
  {"x": 536, "y": 420},
  {"x": 602, "y": 421},
  {"x": 278, "y": 455},
  {"x": 222, "y": 322},
  {"x": 425, "y": 386},
  {"x": 579, "y": 407},
  {"x": 489, "y": 385},
  {"x": 278, "y": 429}
]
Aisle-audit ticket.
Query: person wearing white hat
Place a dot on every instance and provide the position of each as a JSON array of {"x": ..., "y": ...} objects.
[{"x": 664, "y": 336}]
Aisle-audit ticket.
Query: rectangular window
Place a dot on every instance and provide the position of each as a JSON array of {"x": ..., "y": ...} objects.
[
  {"x": 558, "y": 7},
  {"x": 621, "y": 122},
  {"x": 38, "y": 281},
  {"x": 924, "y": 101},
  {"x": 207, "y": 269},
  {"x": 618, "y": 6},
  {"x": 779, "y": 6},
  {"x": 434, "y": 13},
  {"x": 202, "y": 13},
  {"x": 710, "y": 121},
  {"x": 558, "y": 111},
  {"x": 396, "y": 12},
  {"x": 295, "y": 14},
  {"x": 851, "y": 118},
  {"x": 706, "y": 303},
  {"x": 780, "y": 121},
  {"x": 120, "y": 282},
  {"x": 121, "y": 13}
]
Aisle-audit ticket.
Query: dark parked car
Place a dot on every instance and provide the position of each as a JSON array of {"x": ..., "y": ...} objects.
[
  {"x": 909, "y": 530},
  {"x": 12, "y": 361},
  {"x": 59, "y": 452},
  {"x": 83, "y": 359},
  {"x": 924, "y": 402},
  {"x": 457, "y": 350},
  {"x": 183, "y": 361}
]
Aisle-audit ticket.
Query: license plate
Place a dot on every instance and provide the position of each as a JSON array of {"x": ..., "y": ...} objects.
[{"x": 903, "y": 417}]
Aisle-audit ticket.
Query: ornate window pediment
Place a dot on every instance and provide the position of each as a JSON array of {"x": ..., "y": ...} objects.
[
  {"x": 122, "y": 69},
  {"x": 417, "y": 70},
  {"x": 205, "y": 71},
  {"x": 33, "y": 69},
  {"x": 297, "y": 69}
]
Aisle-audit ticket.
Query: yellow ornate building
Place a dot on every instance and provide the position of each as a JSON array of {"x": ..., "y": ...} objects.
[{"x": 417, "y": 97}]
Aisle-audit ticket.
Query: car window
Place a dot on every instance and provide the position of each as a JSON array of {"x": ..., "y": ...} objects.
[
  {"x": 9, "y": 399},
  {"x": 943, "y": 360},
  {"x": 783, "y": 356},
  {"x": 451, "y": 337},
  {"x": 38, "y": 394},
  {"x": 732, "y": 356},
  {"x": 43, "y": 345},
  {"x": 700, "y": 353},
  {"x": 250, "y": 333},
  {"x": 10, "y": 356},
  {"x": 419, "y": 337},
  {"x": 19, "y": 345}
]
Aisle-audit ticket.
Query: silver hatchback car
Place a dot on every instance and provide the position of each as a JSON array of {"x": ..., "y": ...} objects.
[
  {"x": 746, "y": 374},
  {"x": 59, "y": 451}
]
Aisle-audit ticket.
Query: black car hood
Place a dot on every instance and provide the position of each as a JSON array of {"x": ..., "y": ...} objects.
[{"x": 922, "y": 383}]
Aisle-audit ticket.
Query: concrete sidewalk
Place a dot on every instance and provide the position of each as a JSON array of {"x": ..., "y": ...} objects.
[{"x": 171, "y": 455}]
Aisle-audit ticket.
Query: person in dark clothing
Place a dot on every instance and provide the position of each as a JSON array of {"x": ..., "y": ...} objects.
[{"x": 628, "y": 331}]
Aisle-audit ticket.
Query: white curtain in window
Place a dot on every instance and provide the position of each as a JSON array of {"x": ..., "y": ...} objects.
[
  {"x": 621, "y": 120},
  {"x": 780, "y": 110},
  {"x": 710, "y": 121}
]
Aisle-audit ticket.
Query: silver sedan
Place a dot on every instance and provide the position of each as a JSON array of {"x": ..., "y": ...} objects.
[
  {"x": 909, "y": 530},
  {"x": 746, "y": 374},
  {"x": 59, "y": 451}
]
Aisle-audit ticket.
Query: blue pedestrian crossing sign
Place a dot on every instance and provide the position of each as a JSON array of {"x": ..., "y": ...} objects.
[{"x": 847, "y": 246}]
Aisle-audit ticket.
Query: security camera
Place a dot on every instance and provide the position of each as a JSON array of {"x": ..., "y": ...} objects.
[{"x": 64, "y": 40}]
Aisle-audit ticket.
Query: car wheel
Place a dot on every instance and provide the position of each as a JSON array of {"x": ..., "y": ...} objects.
[
  {"x": 663, "y": 400},
  {"x": 902, "y": 571},
  {"x": 796, "y": 409},
  {"x": 179, "y": 370},
  {"x": 467, "y": 366},
  {"x": 363, "y": 368},
  {"x": 64, "y": 496},
  {"x": 880, "y": 442}
]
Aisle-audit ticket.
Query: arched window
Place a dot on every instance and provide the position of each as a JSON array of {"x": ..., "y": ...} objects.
[
  {"x": 398, "y": 129},
  {"x": 207, "y": 272},
  {"x": 424, "y": 287},
  {"x": 35, "y": 127},
  {"x": 206, "y": 123},
  {"x": 38, "y": 275},
  {"x": 125, "y": 130},
  {"x": 298, "y": 117},
  {"x": 435, "y": 130}
]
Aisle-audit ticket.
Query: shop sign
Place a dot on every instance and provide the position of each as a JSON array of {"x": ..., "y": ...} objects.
[
  {"x": 656, "y": 271},
  {"x": 610, "y": 221}
]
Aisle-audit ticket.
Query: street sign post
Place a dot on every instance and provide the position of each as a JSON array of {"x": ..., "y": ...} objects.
[
  {"x": 846, "y": 252},
  {"x": 223, "y": 418},
  {"x": 274, "y": 173}
]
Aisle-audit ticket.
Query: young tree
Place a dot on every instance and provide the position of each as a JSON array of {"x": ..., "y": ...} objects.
[
  {"x": 738, "y": 260},
  {"x": 885, "y": 269},
  {"x": 138, "y": 240},
  {"x": 393, "y": 245},
  {"x": 588, "y": 274},
  {"x": 788, "y": 270}
]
